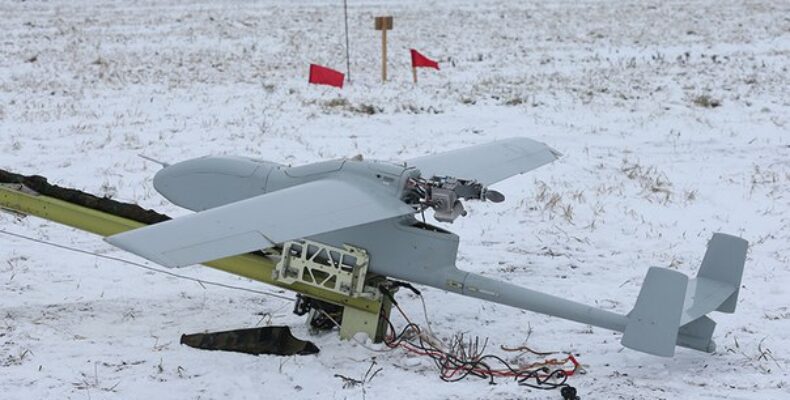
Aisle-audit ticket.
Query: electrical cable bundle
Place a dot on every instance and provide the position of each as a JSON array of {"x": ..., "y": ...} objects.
[{"x": 463, "y": 358}]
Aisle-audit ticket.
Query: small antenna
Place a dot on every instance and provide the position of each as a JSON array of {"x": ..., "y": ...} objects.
[{"x": 162, "y": 163}]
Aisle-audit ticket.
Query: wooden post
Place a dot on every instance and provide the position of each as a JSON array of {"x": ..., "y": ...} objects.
[
  {"x": 383, "y": 24},
  {"x": 383, "y": 55},
  {"x": 414, "y": 74}
]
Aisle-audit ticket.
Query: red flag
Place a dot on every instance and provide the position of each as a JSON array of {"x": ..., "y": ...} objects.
[
  {"x": 419, "y": 60},
  {"x": 325, "y": 76}
]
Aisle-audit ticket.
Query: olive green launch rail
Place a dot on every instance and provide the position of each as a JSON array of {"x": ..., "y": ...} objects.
[{"x": 32, "y": 195}]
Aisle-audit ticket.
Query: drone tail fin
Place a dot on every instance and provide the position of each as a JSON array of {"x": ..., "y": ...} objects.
[
  {"x": 723, "y": 263},
  {"x": 671, "y": 308},
  {"x": 654, "y": 322}
]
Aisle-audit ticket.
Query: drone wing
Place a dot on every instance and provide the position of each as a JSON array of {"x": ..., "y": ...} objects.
[
  {"x": 259, "y": 222},
  {"x": 487, "y": 163}
]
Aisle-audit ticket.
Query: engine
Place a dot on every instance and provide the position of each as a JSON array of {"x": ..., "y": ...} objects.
[{"x": 444, "y": 194}]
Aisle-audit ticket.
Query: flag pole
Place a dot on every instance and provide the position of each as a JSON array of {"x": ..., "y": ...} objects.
[
  {"x": 348, "y": 62},
  {"x": 414, "y": 74}
]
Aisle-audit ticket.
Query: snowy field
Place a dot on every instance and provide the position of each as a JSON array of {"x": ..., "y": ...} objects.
[{"x": 673, "y": 118}]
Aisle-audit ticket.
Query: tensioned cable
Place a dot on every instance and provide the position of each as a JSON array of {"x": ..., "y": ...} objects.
[{"x": 143, "y": 266}]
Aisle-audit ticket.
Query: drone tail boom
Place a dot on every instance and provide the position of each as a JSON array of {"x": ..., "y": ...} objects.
[{"x": 670, "y": 310}]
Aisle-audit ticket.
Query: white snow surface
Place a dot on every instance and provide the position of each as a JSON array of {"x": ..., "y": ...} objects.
[{"x": 623, "y": 89}]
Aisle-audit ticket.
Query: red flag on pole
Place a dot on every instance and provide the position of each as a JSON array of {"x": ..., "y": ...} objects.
[
  {"x": 325, "y": 76},
  {"x": 419, "y": 60}
]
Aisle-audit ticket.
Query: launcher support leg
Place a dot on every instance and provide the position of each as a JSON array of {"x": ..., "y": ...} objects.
[{"x": 374, "y": 324}]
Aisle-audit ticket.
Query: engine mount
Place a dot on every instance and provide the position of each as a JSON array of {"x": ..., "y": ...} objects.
[{"x": 444, "y": 195}]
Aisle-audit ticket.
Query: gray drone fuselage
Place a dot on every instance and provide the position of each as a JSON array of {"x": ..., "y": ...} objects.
[
  {"x": 212, "y": 181},
  {"x": 242, "y": 205},
  {"x": 400, "y": 247}
]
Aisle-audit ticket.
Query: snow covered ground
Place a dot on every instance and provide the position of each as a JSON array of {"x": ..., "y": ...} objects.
[{"x": 673, "y": 118}]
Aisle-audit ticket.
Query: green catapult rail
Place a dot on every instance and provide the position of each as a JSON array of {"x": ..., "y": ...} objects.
[{"x": 360, "y": 314}]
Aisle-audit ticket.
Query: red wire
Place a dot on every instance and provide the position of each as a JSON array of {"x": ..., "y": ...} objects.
[{"x": 450, "y": 372}]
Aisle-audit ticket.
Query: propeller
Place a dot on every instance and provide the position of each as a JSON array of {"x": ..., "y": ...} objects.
[{"x": 494, "y": 196}]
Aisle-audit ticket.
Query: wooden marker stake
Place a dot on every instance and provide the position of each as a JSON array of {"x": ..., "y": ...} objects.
[
  {"x": 384, "y": 55},
  {"x": 414, "y": 74},
  {"x": 383, "y": 24}
]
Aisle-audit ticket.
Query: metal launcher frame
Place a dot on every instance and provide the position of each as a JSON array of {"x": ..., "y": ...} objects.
[{"x": 332, "y": 275}]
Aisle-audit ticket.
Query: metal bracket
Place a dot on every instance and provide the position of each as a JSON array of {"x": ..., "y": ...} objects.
[{"x": 339, "y": 270}]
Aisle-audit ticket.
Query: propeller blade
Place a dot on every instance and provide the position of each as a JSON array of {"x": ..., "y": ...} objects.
[{"x": 494, "y": 196}]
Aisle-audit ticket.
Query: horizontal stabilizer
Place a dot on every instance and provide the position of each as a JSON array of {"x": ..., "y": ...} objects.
[
  {"x": 704, "y": 295},
  {"x": 716, "y": 286}
]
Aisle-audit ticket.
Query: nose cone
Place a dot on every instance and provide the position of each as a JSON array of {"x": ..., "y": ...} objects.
[
  {"x": 164, "y": 178},
  {"x": 207, "y": 182},
  {"x": 171, "y": 181}
]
